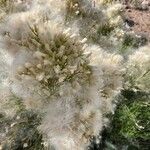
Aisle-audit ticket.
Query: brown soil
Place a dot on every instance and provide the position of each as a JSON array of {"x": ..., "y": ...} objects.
[{"x": 141, "y": 20}]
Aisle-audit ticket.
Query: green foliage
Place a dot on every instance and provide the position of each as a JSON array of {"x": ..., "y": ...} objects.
[
  {"x": 106, "y": 2},
  {"x": 20, "y": 131},
  {"x": 6, "y": 5},
  {"x": 91, "y": 20},
  {"x": 73, "y": 6},
  {"x": 105, "y": 30},
  {"x": 130, "y": 127},
  {"x": 130, "y": 40},
  {"x": 16, "y": 102},
  {"x": 135, "y": 120}
]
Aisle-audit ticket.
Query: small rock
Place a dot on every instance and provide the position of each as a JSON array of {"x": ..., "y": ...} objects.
[{"x": 129, "y": 22}]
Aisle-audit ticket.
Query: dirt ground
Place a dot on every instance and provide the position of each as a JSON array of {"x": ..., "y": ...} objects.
[{"x": 141, "y": 18}]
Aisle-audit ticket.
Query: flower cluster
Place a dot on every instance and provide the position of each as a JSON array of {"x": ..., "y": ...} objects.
[{"x": 56, "y": 57}]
